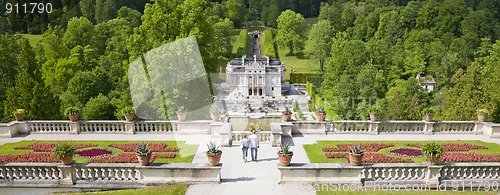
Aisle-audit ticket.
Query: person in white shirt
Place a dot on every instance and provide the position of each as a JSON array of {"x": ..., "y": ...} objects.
[
  {"x": 254, "y": 145},
  {"x": 244, "y": 147}
]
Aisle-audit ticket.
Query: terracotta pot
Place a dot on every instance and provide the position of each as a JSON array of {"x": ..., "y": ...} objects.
[
  {"x": 355, "y": 159},
  {"x": 73, "y": 118},
  {"x": 285, "y": 159},
  {"x": 214, "y": 159},
  {"x": 373, "y": 117},
  {"x": 320, "y": 116},
  {"x": 481, "y": 117},
  {"x": 129, "y": 117},
  {"x": 215, "y": 117},
  {"x": 181, "y": 116},
  {"x": 67, "y": 160},
  {"x": 433, "y": 160},
  {"x": 144, "y": 159},
  {"x": 286, "y": 117},
  {"x": 19, "y": 117},
  {"x": 428, "y": 117}
]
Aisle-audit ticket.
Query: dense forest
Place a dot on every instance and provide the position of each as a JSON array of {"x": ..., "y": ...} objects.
[{"x": 369, "y": 51}]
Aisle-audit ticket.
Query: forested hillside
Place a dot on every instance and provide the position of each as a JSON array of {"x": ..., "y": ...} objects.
[{"x": 369, "y": 51}]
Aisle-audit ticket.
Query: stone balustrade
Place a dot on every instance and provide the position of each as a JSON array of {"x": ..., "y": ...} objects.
[
  {"x": 442, "y": 176},
  {"x": 264, "y": 136},
  {"x": 104, "y": 175}
]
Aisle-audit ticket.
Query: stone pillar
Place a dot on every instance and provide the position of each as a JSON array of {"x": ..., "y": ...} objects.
[
  {"x": 130, "y": 127},
  {"x": 286, "y": 128},
  {"x": 432, "y": 176},
  {"x": 478, "y": 128},
  {"x": 373, "y": 129},
  {"x": 428, "y": 128},
  {"x": 225, "y": 135},
  {"x": 276, "y": 134},
  {"x": 68, "y": 174},
  {"x": 74, "y": 127},
  {"x": 22, "y": 127}
]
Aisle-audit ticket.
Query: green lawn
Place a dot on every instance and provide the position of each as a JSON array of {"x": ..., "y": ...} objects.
[
  {"x": 175, "y": 189},
  {"x": 33, "y": 39},
  {"x": 187, "y": 151},
  {"x": 316, "y": 155},
  {"x": 409, "y": 192}
]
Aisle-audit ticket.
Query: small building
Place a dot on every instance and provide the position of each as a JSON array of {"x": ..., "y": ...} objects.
[
  {"x": 255, "y": 76},
  {"x": 427, "y": 81}
]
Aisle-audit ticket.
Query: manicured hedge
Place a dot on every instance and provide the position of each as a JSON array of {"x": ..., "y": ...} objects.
[
  {"x": 241, "y": 44},
  {"x": 270, "y": 47},
  {"x": 302, "y": 77}
]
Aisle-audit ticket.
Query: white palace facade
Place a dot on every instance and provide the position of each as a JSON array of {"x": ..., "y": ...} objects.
[{"x": 255, "y": 76}]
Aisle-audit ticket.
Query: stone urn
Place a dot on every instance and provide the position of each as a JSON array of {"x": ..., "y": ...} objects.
[
  {"x": 320, "y": 116},
  {"x": 215, "y": 116},
  {"x": 73, "y": 117},
  {"x": 285, "y": 159},
  {"x": 144, "y": 159},
  {"x": 67, "y": 160},
  {"x": 481, "y": 117},
  {"x": 355, "y": 159},
  {"x": 428, "y": 117},
  {"x": 19, "y": 117},
  {"x": 214, "y": 159},
  {"x": 373, "y": 117},
  {"x": 433, "y": 160},
  {"x": 181, "y": 116},
  {"x": 286, "y": 117},
  {"x": 129, "y": 117}
]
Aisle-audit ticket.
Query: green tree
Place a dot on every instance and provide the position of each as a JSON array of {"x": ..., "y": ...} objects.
[
  {"x": 236, "y": 11},
  {"x": 85, "y": 85},
  {"x": 222, "y": 38},
  {"x": 320, "y": 38},
  {"x": 87, "y": 8},
  {"x": 98, "y": 108},
  {"x": 105, "y": 10},
  {"x": 9, "y": 49},
  {"x": 79, "y": 32},
  {"x": 291, "y": 33}
]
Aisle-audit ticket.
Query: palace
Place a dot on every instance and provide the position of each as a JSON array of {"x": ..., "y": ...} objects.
[{"x": 255, "y": 76}]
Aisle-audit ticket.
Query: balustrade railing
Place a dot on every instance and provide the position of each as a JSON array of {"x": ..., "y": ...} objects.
[
  {"x": 347, "y": 126},
  {"x": 454, "y": 127},
  {"x": 471, "y": 171},
  {"x": 155, "y": 126},
  {"x": 29, "y": 172},
  {"x": 49, "y": 126},
  {"x": 388, "y": 172},
  {"x": 264, "y": 136},
  {"x": 401, "y": 126},
  {"x": 102, "y": 126},
  {"x": 111, "y": 172}
]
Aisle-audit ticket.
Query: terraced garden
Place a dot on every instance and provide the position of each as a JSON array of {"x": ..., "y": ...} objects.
[
  {"x": 402, "y": 151},
  {"x": 91, "y": 151}
]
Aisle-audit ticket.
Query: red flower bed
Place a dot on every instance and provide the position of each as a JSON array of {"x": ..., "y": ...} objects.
[
  {"x": 42, "y": 157},
  {"x": 155, "y": 147},
  {"x": 128, "y": 158},
  {"x": 371, "y": 157},
  {"x": 469, "y": 157},
  {"x": 48, "y": 147},
  {"x": 453, "y": 147},
  {"x": 409, "y": 152},
  {"x": 367, "y": 147},
  {"x": 94, "y": 152}
]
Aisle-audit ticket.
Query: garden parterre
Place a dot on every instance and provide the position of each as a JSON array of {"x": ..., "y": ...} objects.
[{"x": 91, "y": 151}]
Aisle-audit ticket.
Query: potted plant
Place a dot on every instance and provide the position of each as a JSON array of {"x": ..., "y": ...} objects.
[
  {"x": 143, "y": 154},
  {"x": 72, "y": 113},
  {"x": 213, "y": 154},
  {"x": 321, "y": 114},
  {"x": 356, "y": 155},
  {"x": 64, "y": 152},
  {"x": 429, "y": 114},
  {"x": 373, "y": 111},
  {"x": 19, "y": 114},
  {"x": 285, "y": 154},
  {"x": 128, "y": 112},
  {"x": 249, "y": 108},
  {"x": 433, "y": 151},
  {"x": 181, "y": 113},
  {"x": 215, "y": 111},
  {"x": 286, "y": 115},
  {"x": 482, "y": 115}
]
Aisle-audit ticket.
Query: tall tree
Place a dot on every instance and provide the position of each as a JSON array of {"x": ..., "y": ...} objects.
[
  {"x": 223, "y": 31},
  {"x": 291, "y": 33},
  {"x": 236, "y": 11},
  {"x": 79, "y": 32},
  {"x": 320, "y": 38}
]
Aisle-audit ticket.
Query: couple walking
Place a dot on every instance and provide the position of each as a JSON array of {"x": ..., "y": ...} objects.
[{"x": 251, "y": 142}]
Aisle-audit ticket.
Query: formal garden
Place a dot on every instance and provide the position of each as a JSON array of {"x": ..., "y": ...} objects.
[
  {"x": 402, "y": 151},
  {"x": 93, "y": 151}
]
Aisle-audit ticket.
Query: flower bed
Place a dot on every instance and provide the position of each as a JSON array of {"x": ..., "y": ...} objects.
[
  {"x": 372, "y": 157},
  {"x": 41, "y": 157},
  {"x": 453, "y": 147},
  {"x": 128, "y": 158},
  {"x": 48, "y": 147},
  {"x": 94, "y": 152},
  {"x": 155, "y": 147},
  {"x": 367, "y": 147},
  {"x": 469, "y": 157},
  {"x": 408, "y": 152}
]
